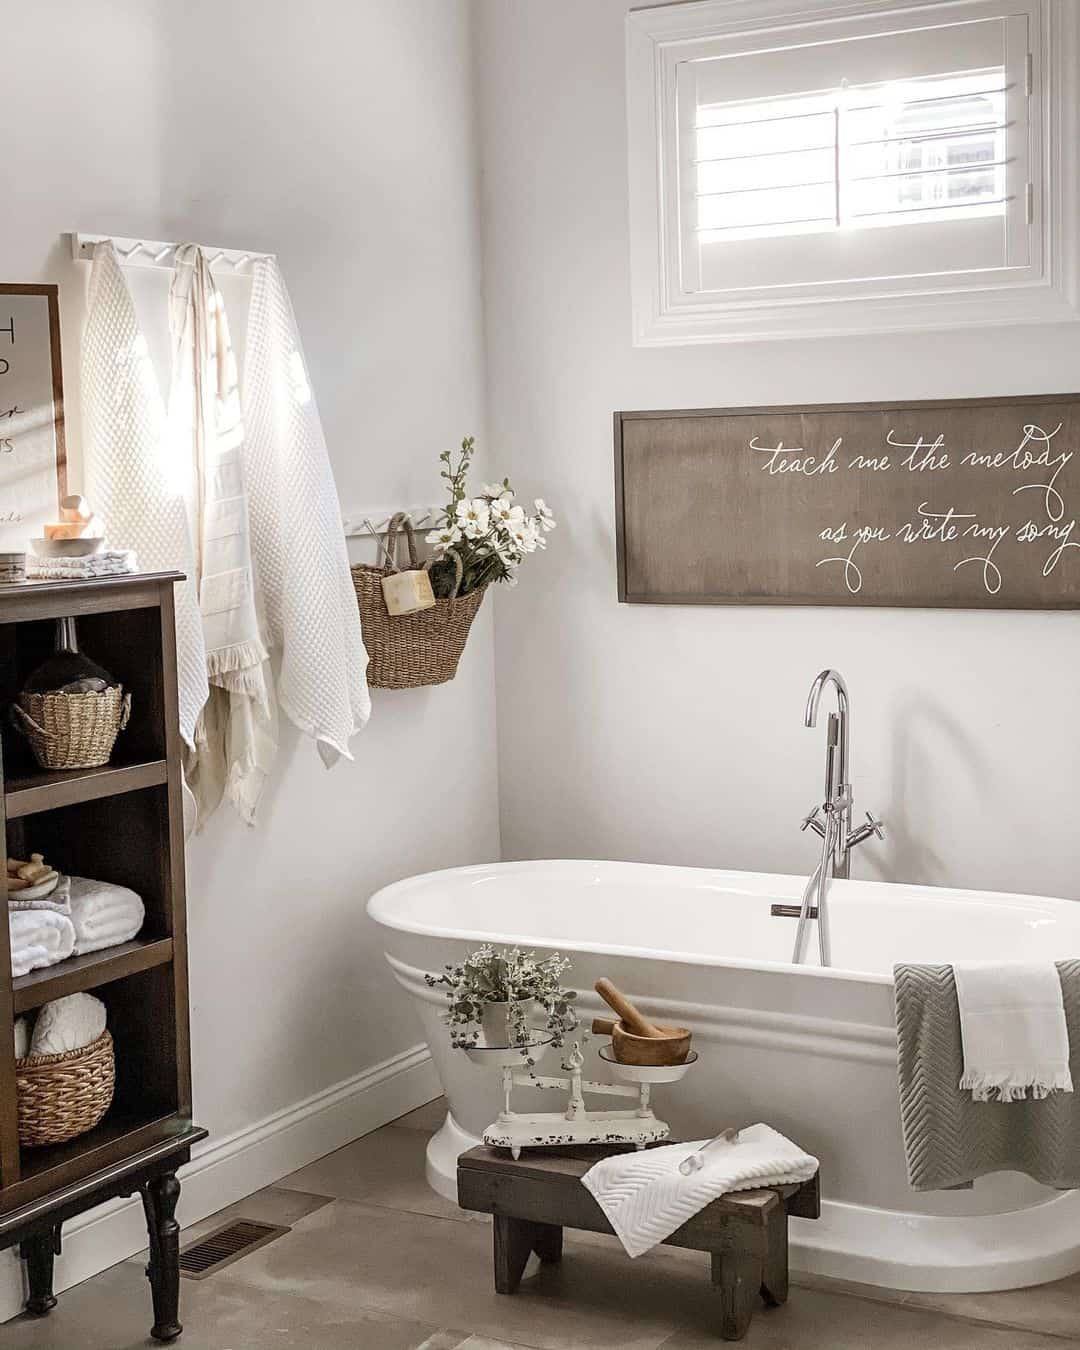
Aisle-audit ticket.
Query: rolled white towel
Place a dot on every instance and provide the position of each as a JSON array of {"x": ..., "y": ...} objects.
[
  {"x": 103, "y": 914},
  {"x": 39, "y": 937},
  {"x": 69, "y": 1023},
  {"x": 22, "y": 1037},
  {"x": 645, "y": 1197}
]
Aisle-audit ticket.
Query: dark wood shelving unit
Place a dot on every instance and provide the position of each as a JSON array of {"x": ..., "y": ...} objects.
[
  {"x": 120, "y": 823},
  {"x": 44, "y": 791}
]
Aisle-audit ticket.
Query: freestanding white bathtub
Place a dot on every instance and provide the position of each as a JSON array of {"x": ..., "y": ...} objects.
[{"x": 810, "y": 1051}]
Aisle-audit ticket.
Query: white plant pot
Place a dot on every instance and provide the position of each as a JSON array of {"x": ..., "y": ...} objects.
[{"x": 495, "y": 1022}]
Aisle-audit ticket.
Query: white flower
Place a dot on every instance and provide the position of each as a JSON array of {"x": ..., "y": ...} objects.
[
  {"x": 515, "y": 516},
  {"x": 524, "y": 536},
  {"x": 501, "y": 510},
  {"x": 473, "y": 517},
  {"x": 443, "y": 538},
  {"x": 495, "y": 491},
  {"x": 544, "y": 514}
]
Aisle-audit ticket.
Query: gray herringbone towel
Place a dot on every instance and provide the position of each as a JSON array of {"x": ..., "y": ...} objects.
[{"x": 951, "y": 1140}]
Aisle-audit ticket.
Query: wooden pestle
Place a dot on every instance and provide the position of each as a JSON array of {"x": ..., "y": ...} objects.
[{"x": 632, "y": 1020}]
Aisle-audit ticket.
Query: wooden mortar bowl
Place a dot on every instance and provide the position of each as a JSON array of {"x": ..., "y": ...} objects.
[{"x": 651, "y": 1050}]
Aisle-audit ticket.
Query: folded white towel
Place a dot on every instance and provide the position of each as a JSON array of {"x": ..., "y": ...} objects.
[
  {"x": 22, "y": 1037},
  {"x": 39, "y": 937},
  {"x": 69, "y": 1023},
  {"x": 108, "y": 563},
  {"x": 645, "y": 1198},
  {"x": 103, "y": 914},
  {"x": 1012, "y": 1023}
]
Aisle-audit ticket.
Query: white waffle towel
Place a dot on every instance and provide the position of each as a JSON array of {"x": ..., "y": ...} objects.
[
  {"x": 645, "y": 1197},
  {"x": 129, "y": 476},
  {"x": 298, "y": 542},
  {"x": 1012, "y": 1023}
]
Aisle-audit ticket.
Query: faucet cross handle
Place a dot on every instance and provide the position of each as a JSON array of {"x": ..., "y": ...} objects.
[
  {"x": 872, "y": 826},
  {"x": 813, "y": 822}
]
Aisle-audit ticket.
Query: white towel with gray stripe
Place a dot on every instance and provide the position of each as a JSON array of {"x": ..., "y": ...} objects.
[
  {"x": 1012, "y": 1023},
  {"x": 645, "y": 1197}
]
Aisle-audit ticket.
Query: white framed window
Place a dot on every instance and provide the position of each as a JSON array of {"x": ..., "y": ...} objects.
[{"x": 848, "y": 167}]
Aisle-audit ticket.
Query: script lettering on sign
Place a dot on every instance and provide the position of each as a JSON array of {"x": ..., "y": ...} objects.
[{"x": 964, "y": 504}]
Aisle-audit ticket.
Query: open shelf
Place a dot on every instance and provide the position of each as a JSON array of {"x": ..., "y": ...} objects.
[
  {"x": 120, "y": 1134},
  {"x": 46, "y": 790},
  {"x": 79, "y": 973}
]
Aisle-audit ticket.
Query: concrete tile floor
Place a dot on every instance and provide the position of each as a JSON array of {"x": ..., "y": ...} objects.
[{"x": 376, "y": 1261}]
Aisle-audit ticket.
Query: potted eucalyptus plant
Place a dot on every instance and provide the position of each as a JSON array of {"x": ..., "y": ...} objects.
[{"x": 510, "y": 996}]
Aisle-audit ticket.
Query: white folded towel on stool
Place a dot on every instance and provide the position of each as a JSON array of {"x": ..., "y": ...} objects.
[
  {"x": 645, "y": 1198},
  {"x": 1012, "y": 1023},
  {"x": 103, "y": 914},
  {"x": 39, "y": 937},
  {"x": 69, "y": 1023}
]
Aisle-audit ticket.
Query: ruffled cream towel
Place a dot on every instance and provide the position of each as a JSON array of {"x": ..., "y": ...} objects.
[{"x": 235, "y": 737}]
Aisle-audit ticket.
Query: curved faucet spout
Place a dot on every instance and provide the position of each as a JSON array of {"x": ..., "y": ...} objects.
[{"x": 818, "y": 688}]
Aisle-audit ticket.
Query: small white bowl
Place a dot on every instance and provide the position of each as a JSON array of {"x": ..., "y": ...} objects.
[
  {"x": 647, "y": 1073},
  {"x": 67, "y": 548}
]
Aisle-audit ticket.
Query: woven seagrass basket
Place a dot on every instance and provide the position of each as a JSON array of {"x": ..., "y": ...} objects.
[
  {"x": 407, "y": 651},
  {"x": 62, "y": 1096},
  {"x": 72, "y": 731}
]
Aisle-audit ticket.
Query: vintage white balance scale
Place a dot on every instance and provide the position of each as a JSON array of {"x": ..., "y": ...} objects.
[{"x": 577, "y": 1123}]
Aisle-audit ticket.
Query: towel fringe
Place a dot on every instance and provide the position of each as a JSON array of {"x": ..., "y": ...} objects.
[
  {"x": 1014, "y": 1085},
  {"x": 237, "y": 659}
]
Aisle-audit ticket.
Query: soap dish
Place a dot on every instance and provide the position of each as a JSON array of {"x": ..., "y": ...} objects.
[{"x": 67, "y": 548}]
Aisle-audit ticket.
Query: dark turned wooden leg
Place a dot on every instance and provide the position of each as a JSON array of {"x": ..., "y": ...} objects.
[
  {"x": 38, "y": 1253},
  {"x": 737, "y": 1274},
  {"x": 159, "y": 1197},
  {"x": 547, "y": 1243}
]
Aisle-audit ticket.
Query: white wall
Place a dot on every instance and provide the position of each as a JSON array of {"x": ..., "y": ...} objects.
[
  {"x": 675, "y": 734},
  {"x": 339, "y": 136}
]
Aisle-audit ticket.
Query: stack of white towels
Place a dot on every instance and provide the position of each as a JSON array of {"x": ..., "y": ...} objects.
[
  {"x": 79, "y": 916},
  {"x": 70, "y": 1023}
]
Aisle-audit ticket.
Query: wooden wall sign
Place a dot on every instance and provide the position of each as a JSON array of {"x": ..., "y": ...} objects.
[
  {"x": 958, "y": 504},
  {"x": 32, "y": 455}
]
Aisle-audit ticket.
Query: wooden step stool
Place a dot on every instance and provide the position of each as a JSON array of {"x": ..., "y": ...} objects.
[{"x": 534, "y": 1199}]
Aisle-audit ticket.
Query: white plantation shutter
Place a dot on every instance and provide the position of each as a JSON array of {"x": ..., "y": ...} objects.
[
  {"x": 792, "y": 160},
  {"x": 868, "y": 159}
]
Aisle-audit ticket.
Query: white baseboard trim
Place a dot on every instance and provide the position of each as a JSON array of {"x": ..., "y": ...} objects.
[{"x": 223, "y": 1171}]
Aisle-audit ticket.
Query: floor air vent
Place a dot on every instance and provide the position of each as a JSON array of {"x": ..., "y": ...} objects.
[{"x": 226, "y": 1245}]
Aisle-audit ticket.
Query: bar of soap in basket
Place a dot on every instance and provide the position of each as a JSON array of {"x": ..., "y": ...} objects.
[{"x": 407, "y": 592}]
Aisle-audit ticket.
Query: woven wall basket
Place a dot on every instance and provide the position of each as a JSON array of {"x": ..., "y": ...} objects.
[
  {"x": 72, "y": 731},
  {"x": 62, "y": 1096},
  {"x": 406, "y": 651}
]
